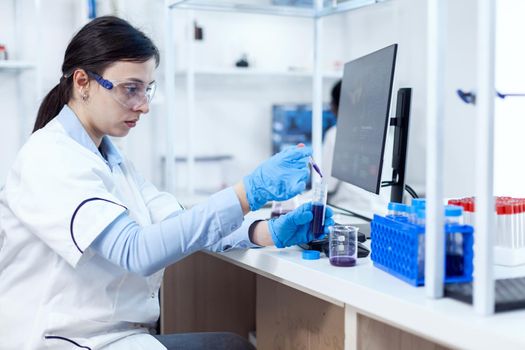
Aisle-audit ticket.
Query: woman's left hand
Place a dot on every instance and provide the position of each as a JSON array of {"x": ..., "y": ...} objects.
[{"x": 295, "y": 227}]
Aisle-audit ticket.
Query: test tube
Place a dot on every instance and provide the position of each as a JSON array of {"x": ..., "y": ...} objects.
[
  {"x": 500, "y": 227},
  {"x": 421, "y": 217},
  {"x": 412, "y": 214},
  {"x": 398, "y": 211},
  {"x": 419, "y": 203},
  {"x": 284, "y": 207},
  {"x": 319, "y": 192},
  {"x": 420, "y": 214},
  {"x": 454, "y": 262},
  {"x": 521, "y": 224},
  {"x": 507, "y": 222},
  {"x": 453, "y": 214},
  {"x": 516, "y": 210}
]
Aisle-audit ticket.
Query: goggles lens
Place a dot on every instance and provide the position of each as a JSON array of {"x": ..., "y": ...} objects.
[
  {"x": 130, "y": 94},
  {"x": 133, "y": 94}
]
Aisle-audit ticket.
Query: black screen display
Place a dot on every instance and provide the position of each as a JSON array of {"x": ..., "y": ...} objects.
[{"x": 363, "y": 119}]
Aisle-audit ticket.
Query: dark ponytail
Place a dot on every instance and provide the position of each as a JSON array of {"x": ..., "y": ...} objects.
[
  {"x": 97, "y": 45},
  {"x": 53, "y": 103}
]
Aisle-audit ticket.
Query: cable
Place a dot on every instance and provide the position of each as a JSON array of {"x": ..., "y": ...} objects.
[
  {"x": 409, "y": 189},
  {"x": 412, "y": 192}
]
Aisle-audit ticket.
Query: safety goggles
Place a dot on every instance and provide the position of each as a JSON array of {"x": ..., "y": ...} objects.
[{"x": 130, "y": 94}]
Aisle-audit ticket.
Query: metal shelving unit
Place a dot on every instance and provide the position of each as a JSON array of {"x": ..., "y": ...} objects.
[
  {"x": 483, "y": 293},
  {"x": 317, "y": 13},
  {"x": 16, "y": 66},
  {"x": 250, "y": 72},
  {"x": 267, "y": 8},
  {"x": 483, "y": 275},
  {"x": 19, "y": 64}
]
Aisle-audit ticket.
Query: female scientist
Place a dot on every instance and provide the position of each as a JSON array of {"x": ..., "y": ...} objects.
[{"x": 84, "y": 238}]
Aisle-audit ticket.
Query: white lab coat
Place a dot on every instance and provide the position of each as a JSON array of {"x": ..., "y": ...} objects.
[{"x": 58, "y": 198}]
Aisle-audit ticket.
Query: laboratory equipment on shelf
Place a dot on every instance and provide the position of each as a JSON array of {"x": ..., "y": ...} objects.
[
  {"x": 509, "y": 248},
  {"x": 469, "y": 97},
  {"x": 319, "y": 195},
  {"x": 343, "y": 245},
  {"x": 3, "y": 53},
  {"x": 292, "y": 124}
]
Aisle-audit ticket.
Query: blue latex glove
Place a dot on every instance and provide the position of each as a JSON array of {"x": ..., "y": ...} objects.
[
  {"x": 295, "y": 227},
  {"x": 281, "y": 177}
]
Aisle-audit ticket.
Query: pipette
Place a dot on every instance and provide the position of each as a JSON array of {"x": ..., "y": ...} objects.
[{"x": 316, "y": 168}]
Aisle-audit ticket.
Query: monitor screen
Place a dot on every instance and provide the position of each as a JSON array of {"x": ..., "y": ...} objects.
[{"x": 363, "y": 119}]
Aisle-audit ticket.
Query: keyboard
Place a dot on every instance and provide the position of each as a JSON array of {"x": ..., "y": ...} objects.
[{"x": 509, "y": 294}]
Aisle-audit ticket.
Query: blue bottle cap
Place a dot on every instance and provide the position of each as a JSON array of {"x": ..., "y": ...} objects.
[
  {"x": 453, "y": 210},
  {"x": 311, "y": 255},
  {"x": 397, "y": 207},
  {"x": 421, "y": 213},
  {"x": 419, "y": 202},
  {"x": 413, "y": 210}
]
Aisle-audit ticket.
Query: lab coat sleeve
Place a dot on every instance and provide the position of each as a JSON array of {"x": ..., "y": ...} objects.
[
  {"x": 237, "y": 239},
  {"x": 145, "y": 250},
  {"x": 160, "y": 204},
  {"x": 62, "y": 196}
]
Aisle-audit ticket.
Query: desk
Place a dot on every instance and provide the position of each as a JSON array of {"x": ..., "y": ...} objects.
[{"x": 366, "y": 291}]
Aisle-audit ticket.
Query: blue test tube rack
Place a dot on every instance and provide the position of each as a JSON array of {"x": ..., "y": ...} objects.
[{"x": 395, "y": 249}]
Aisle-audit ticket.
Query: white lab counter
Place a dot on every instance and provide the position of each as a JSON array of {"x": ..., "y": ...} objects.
[{"x": 372, "y": 292}]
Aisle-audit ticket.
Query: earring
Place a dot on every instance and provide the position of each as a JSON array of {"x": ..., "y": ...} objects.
[{"x": 84, "y": 96}]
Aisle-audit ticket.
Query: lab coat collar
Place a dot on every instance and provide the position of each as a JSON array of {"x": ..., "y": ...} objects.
[{"x": 76, "y": 131}]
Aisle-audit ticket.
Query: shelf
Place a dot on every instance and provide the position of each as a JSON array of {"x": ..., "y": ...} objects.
[
  {"x": 16, "y": 65},
  {"x": 267, "y": 8},
  {"x": 247, "y": 72}
]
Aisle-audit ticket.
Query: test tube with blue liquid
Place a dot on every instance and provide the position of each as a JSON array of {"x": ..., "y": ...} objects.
[
  {"x": 319, "y": 193},
  {"x": 412, "y": 214},
  {"x": 421, "y": 221},
  {"x": 454, "y": 241}
]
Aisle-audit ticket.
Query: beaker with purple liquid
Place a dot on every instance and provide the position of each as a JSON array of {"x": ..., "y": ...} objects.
[{"x": 343, "y": 245}]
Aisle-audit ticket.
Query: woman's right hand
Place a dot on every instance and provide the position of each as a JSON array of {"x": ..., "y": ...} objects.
[{"x": 279, "y": 178}]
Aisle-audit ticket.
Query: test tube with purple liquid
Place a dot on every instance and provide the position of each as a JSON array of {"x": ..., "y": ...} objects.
[
  {"x": 316, "y": 167},
  {"x": 318, "y": 208}
]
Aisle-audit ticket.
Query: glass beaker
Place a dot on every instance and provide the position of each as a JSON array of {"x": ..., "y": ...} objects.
[
  {"x": 319, "y": 192},
  {"x": 282, "y": 208},
  {"x": 343, "y": 245}
]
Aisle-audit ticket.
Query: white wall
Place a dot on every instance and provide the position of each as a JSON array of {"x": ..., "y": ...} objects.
[
  {"x": 404, "y": 22},
  {"x": 509, "y": 169},
  {"x": 15, "y": 83},
  {"x": 233, "y": 114},
  {"x": 60, "y": 19}
]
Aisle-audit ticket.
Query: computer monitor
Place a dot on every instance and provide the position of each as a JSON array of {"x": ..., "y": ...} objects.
[{"x": 363, "y": 118}]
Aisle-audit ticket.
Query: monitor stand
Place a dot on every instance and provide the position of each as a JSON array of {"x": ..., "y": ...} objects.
[{"x": 399, "y": 154}]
